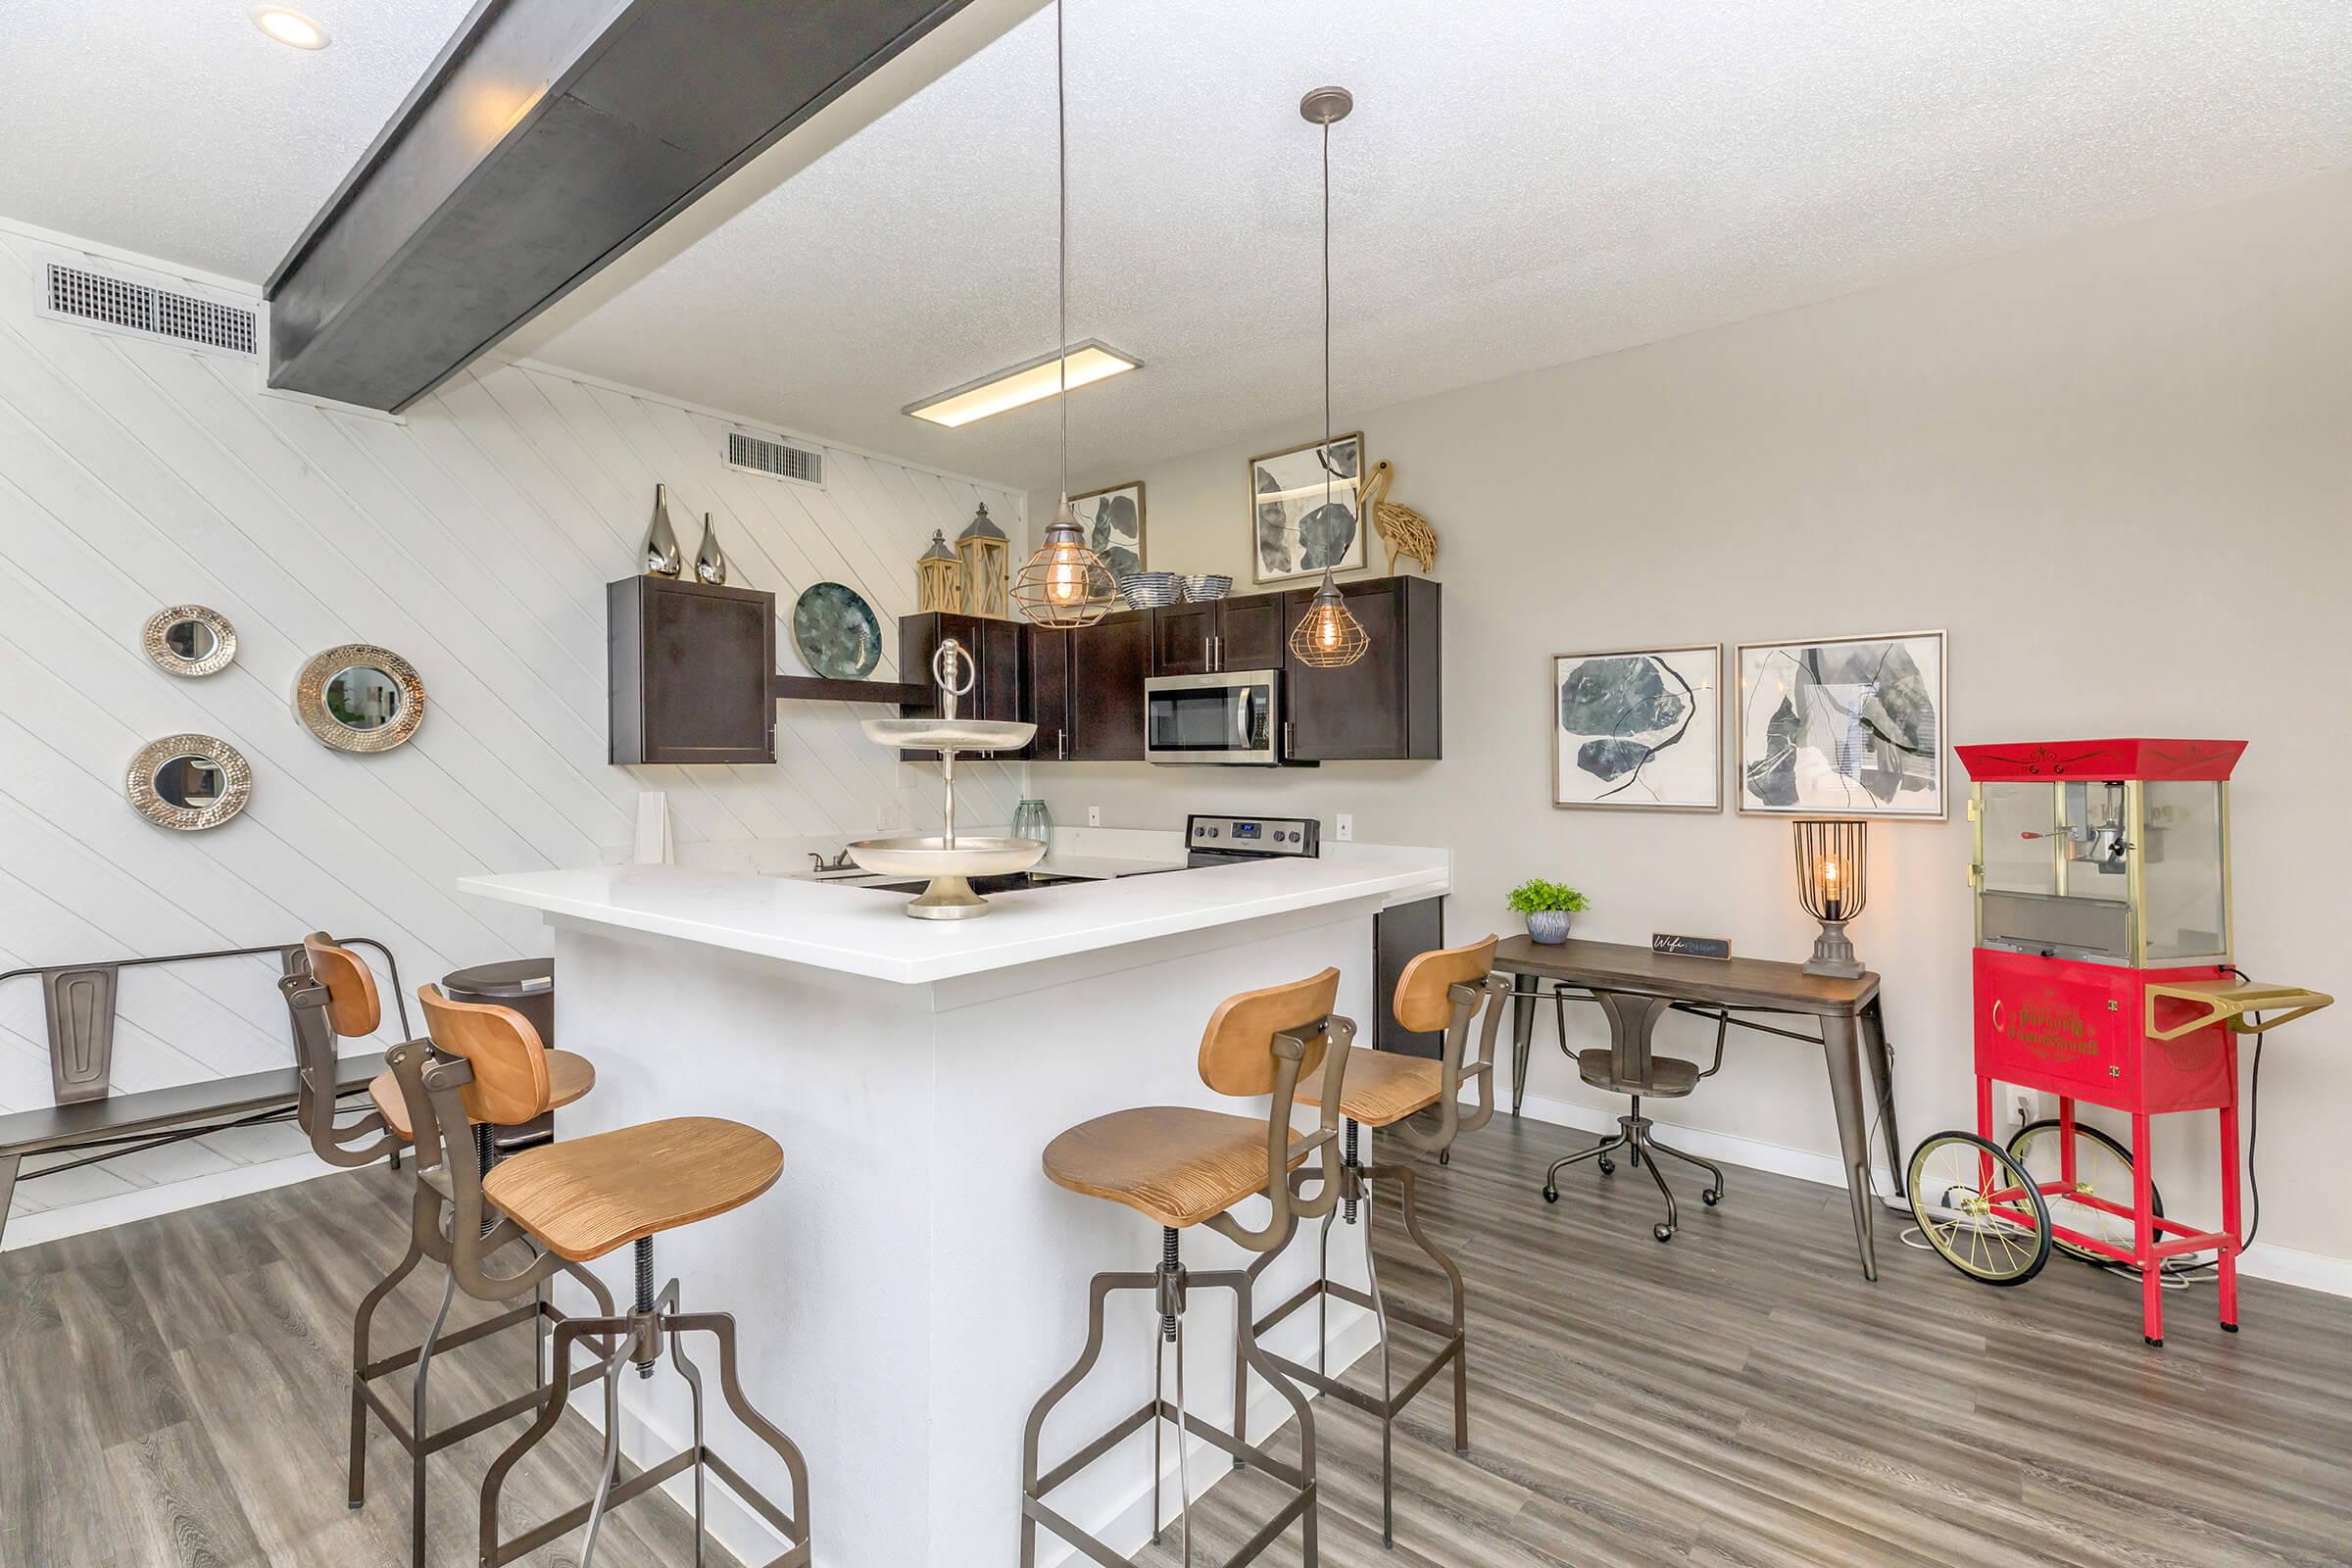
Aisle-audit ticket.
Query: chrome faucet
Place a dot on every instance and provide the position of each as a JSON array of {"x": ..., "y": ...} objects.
[{"x": 839, "y": 863}]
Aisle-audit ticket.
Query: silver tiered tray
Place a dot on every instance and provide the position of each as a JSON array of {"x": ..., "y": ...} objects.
[{"x": 949, "y": 860}]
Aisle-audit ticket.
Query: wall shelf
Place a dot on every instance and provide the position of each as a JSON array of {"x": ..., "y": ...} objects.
[{"x": 818, "y": 689}]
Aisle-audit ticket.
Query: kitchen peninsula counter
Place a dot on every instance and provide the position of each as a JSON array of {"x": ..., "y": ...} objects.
[{"x": 914, "y": 1282}]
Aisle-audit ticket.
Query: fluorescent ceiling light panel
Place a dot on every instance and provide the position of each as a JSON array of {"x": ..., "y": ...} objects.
[{"x": 1033, "y": 382}]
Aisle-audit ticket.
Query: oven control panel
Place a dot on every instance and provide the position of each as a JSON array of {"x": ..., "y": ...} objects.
[{"x": 1252, "y": 835}]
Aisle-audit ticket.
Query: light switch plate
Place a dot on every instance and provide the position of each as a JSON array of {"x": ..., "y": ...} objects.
[{"x": 1094, "y": 816}]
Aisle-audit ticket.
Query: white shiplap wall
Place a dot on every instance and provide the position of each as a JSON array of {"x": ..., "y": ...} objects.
[{"x": 475, "y": 537}]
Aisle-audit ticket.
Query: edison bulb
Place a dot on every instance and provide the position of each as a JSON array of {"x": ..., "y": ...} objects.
[
  {"x": 1330, "y": 632},
  {"x": 1065, "y": 576}
]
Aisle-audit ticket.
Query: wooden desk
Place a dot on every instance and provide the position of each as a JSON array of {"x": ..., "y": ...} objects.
[{"x": 1731, "y": 991}]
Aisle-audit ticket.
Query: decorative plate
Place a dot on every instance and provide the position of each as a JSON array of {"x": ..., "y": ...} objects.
[{"x": 836, "y": 632}]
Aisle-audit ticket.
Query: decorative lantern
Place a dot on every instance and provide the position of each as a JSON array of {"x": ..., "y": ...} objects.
[
  {"x": 1833, "y": 883},
  {"x": 938, "y": 577},
  {"x": 1065, "y": 585},
  {"x": 983, "y": 549}
]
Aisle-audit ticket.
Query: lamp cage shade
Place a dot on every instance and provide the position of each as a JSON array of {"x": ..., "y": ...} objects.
[
  {"x": 1833, "y": 868},
  {"x": 1328, "y": 636},
  {"x": 1064, "y": 585}
]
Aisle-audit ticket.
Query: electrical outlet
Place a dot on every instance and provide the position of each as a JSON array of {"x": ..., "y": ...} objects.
[
  {"x": 1094, "y": 816},
  {"x": 1345, "y": 827},
  {"x": 2020, "y": 1106}
]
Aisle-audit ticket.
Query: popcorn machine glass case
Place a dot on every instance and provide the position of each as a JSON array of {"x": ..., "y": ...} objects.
[{"x": 2103, "y": 977}]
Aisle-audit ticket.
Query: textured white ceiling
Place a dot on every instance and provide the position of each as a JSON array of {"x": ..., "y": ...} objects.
[
  {"x": 1521, "y": 184},
  {"x": 175, "y": 128}
]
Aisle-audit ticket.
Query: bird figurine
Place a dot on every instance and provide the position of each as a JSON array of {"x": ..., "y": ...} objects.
[{"x": 1402, "y": 530}]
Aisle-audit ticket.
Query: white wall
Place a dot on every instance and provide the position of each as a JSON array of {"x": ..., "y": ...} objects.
[
  {"x": 475, "y": 538},
  {"x": 2118, "y": 469}
]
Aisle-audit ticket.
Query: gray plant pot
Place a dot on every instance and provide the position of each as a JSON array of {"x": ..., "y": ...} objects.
[{"x": 1548, "y": 926}]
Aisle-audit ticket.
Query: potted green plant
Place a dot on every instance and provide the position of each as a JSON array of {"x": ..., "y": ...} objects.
[{"x": 1548, "y": 906}]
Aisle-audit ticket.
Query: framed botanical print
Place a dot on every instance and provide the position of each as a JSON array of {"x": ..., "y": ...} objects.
[
  {"x": 1638, "y": 730},
  {"x": 1112, "y": 521},
  {"x": 1304, "y": 510},
  {"x": 1844, "y": 726}
]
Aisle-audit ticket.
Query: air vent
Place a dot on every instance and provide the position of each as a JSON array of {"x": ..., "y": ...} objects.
[
  {"x": 81, "y": 295},
  {"x": 758, "y": 454}
]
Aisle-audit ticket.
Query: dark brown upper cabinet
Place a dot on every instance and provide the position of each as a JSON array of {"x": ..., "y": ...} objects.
[
  {"x": 1224, "y": 634},
  {"x": 690, "y": 666},
  {"x": 1383, "y": 707},
  {"x": 1087, "y": 690},
  {"x": 998, "y": 684}
]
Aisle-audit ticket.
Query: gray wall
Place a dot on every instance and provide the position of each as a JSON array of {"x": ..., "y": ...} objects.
[{"x": 2116, "y": 469}]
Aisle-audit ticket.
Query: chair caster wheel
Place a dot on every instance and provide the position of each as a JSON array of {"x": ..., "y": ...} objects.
[
  {"x": 2228, "y": 1328},
  {"x": 1445, "y": 1156},
  {"x": 1608, "y": 1166},
  {"x": 2154, "y": 1343},
  {"x": 1552, "y": 1195},
  {"x": 1710, "y": 1198},
  {"x": 1664, "y": 1233}
]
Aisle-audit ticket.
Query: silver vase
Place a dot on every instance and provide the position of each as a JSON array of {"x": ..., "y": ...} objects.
[
  {"x": 710, "y": 562},
  {"x": 662, "y": 555}
]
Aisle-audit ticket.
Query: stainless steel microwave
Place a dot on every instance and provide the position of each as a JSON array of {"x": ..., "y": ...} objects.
[{"x": 1226, "y": 717}]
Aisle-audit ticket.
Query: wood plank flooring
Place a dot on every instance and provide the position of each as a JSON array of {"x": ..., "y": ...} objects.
[{"x": 173, "y": 1393}]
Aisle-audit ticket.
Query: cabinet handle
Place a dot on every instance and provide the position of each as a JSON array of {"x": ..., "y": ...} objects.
[
  {"x": 1289, "y": 745},
  {"x": 1061, "y": 744}
]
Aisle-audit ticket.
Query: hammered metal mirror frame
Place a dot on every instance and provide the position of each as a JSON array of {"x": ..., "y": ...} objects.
[
  {"x": 310, "y": 698},
  {"x": 157, "y": 640},
  {"x": 138, "y": 783}
]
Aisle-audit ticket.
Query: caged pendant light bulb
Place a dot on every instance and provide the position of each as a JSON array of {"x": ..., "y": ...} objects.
[
  {"x": 1328, "y": 636},
  {"x": 1064, "y": 584}
]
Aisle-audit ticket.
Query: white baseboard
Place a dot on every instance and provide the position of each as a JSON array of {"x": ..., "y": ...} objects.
[
  {"x": 164, "y": 1198},
  {"x": 2263, "y": 1260}
]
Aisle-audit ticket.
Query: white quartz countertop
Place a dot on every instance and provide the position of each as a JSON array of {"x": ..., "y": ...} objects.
[{"x": 863, "y": 931}]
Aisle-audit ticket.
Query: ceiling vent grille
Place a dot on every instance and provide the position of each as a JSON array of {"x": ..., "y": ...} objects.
[
  {"x": 81, "y": 295},
  {"x": 756, "y": 453}
]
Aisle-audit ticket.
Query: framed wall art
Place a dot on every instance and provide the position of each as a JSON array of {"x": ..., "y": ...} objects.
[
  {"x": 1113, "y": 519},
  {"x": 1844, "y": 726},
  {"x": 1304, "y": 510},
  {"x": 1640, "y": 729}
]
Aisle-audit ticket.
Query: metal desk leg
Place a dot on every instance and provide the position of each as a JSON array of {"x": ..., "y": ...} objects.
[
  {"x": 1523, "y": 1034},
  {"x": 1881, "y": 1071},
  {"x": 1841, "y": 1046},
  {"x": 8, "y": 1184}
]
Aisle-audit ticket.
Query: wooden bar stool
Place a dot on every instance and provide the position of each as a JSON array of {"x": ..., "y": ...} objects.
[
  {"x": 1446, "y": 990},
  {"x": 576, "y": 1201},
  {"x": 1182, "y": 1167},
  {"x": 335, "y": 998}
]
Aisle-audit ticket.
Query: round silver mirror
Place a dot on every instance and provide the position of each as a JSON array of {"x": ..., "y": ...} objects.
[
  {"x": 190, "y": 640},
  {"x": 360, "y": 698},
  {"x": 188, "y": 782}
]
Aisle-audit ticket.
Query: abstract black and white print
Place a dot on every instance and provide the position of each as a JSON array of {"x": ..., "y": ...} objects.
[
  {"x": 1112, "y": 521},
  {"x": 1304, "y": 510},
  {"x": 1640, "y": 729},
  {"x": 1851, "y": 726}
]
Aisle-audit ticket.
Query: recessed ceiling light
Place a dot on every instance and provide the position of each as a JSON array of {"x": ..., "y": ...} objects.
[
  {"x": 290, "y": 28},
  {"x": 1032, "y": 382}
]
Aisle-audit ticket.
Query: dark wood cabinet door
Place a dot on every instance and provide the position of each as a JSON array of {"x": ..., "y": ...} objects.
[
  {"x": 1251, "y": 632},
  {"x": 1108, "y": 664},
  {"x": 1179, "y": 639},
  {"x": 689, "y": 673},
  {"x": 1385, "y": 705},
  {"x": 1048, "y": 655},
  {"x": 998, "y": 684}
]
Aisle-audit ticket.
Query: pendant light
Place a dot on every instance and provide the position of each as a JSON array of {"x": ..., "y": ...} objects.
[
  {"x": 1065, "y": 584},
  {"x": 1328, "y": 636}
]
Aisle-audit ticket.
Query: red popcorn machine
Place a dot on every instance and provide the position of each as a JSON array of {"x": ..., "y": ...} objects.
[{"x": 2103, "y": 977}]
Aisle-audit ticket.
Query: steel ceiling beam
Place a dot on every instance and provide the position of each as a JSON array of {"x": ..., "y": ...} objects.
[{"x": 548, "y": 138}]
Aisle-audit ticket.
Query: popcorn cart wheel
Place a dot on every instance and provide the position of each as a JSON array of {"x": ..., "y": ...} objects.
[
  {"x": 2102, "y": 1167},
  {"x": 1978, "y": 1207}
]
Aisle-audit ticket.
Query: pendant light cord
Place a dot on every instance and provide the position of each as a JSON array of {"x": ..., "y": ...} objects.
[
  {"x": 1061, "y": 254},
  {"x": 1327, "y": 473}
]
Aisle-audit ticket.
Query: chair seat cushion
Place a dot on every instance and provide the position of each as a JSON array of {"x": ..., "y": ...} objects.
[
  {"x": 584, "y": 1196},
  {"x": 1382, "y": 1087},
  {"x": 1669, "y": 1076},
  {"x": 1173, "y": 1163},
  {"x": 569, "y": 1075}
]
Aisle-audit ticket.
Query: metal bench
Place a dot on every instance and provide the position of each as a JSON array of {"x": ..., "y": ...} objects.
[{"x": 90, "y": 1121}]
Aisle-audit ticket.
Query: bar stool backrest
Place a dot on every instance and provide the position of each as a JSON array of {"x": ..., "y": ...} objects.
[
  {"x": 353, "y": 1007},
  {"x": 1237, "y": 1049},
  {"x": 510, "y": 1083},
  {"x": 1446, "y": 989}
]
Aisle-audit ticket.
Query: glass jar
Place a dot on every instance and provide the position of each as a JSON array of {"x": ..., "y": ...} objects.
[{"x": 1030, "y": 821}]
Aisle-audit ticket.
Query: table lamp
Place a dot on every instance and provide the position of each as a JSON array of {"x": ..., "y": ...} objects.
[{"x": 1833, "y": 882}]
